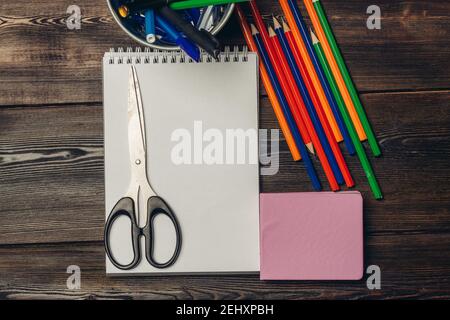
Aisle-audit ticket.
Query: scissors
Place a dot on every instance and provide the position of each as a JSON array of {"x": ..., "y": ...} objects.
[{"x": 140, "y": 203}]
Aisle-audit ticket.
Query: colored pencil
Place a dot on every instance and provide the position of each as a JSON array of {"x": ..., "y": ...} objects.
[
  {"x": 285, "y": 5},
  {"x": 283, "y": 81},
  {"x": 336, "y": 57},
  {"x": 268, "y": 86},
  {"x": 334, "y": 175},
  {"x": 312, "y": 54},
  {"x": 264, "y": 55},
  {"x": 282, "y": 63},
  {"x": 324, "y": 132},
  {"x": 376, "y": 191},
  {"x": 305, "y": 96},
  {"x": 334, "y": 67},
  {"x": 281, "y": 78}
]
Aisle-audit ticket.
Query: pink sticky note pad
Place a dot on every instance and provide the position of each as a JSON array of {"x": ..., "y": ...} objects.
[{"x": 311, "y": 236}]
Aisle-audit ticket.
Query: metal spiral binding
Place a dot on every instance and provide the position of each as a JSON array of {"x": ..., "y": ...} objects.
[
  {"x": 226, "y": 54},
  {"x": 154, "y": 56}
]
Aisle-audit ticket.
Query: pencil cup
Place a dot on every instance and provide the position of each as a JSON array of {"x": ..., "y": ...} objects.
[{"x": 134, "y": 25}]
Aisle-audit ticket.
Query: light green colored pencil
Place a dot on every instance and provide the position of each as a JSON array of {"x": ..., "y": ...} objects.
[{"x": 347, "y": 120}]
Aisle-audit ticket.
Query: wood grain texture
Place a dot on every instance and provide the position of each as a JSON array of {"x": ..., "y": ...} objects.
[
  {"x": 45, "y": 63},
  {"x": 41, "y": 274},
  {"x": 51, "y": 155},
  {"x": 51, "y": 161}
]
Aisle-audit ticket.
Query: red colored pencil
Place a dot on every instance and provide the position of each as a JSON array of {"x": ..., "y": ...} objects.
[
  {"x": 320, "y": 112},
  {"x": 283, "y": 82}
]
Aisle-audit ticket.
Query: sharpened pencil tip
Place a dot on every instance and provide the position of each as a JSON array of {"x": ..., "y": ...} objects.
[
  {"x": 286, "y": 27},
  {"x": 254, "y": 30},
  {"x": 313, "y": 36},
  {"x": 310, "y": 148},
  {"x": 271, "y": 32},
  {"x": 276, "y": 23}
]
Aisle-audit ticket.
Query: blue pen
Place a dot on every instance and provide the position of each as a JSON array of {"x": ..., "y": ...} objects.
[
  {"x": 163, "y": 36},
  {"x": 312, "y": 53},
  {"x": 287, "y": 113},
  {"x": 308, "y": 102},
  {"x": 186, "y": 45},
  {"x": 194, "y": 13},
  {"x": 150, "y": 30}
]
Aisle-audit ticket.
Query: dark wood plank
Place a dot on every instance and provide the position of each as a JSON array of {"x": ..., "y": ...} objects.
[
  {"x": 55, "y": 156},
  {"x": 51, "y": 160},
  {"x": 45, "y": 63},
  {"x": 39, "y": 272},
  {"x": 400, "y": 55}
]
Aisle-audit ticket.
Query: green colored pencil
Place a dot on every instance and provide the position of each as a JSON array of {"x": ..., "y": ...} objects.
[
  {"x": 347, "y": 120},
  {"x": 187, "y": 4},
  {"x": 347, "y": 79}
]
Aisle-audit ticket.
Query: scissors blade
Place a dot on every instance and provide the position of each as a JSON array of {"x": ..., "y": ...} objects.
[
  {"x": 205, "y": 17},
  {"x": 136, "y": 123}
]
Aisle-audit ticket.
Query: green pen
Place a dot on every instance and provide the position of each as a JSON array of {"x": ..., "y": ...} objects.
[
  {"x": 347, "y": 120},
  {"x": 188, "y": 4},
  {"x": 139, "y": 5},
  {"x": 347, "y": 79}
]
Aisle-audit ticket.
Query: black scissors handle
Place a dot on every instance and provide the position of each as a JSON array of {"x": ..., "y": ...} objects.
[
  {"x": 126, "y": 207},
  {"x": 157, "y": 206}
]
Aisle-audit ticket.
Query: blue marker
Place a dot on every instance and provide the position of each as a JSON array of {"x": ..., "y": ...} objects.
[
  {"x": 150, "y": 30},
  {"x": 185, "y": 44}
]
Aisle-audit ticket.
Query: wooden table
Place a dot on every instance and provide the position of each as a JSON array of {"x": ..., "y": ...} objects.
[{"x": 51, "y": 154}]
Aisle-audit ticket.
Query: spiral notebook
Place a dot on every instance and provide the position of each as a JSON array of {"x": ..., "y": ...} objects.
[{"x": 217, "y": 204}]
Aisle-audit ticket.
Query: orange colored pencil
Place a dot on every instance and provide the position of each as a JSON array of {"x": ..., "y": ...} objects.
[
  {"x": 312, "y": 132},
  {"x": 335, "y": 69},
  {"x": 312, "y": 72},
  {"x": 326, "y": 126},
  {"x": 268, "y": 86}
]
